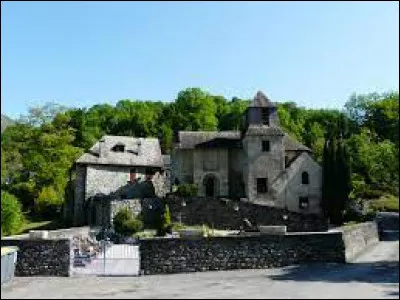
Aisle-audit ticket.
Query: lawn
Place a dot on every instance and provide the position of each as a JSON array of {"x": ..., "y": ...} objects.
[{"x": 39, "y": 224}]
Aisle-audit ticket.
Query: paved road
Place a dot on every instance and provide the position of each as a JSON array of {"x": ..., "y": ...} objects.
[{"x": 375, "y": 274}]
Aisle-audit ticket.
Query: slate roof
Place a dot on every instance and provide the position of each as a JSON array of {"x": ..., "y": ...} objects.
[
  {"x": 138, "y": 152},
  {"x": 189, "y": 139},
  {"x": 220, "y": 143},
  {"x": 291, "y": 144},
  {"x": 264, "y": 130},
  {"x": 261, "y": 100},
  {"x": 231, "y": 139}
]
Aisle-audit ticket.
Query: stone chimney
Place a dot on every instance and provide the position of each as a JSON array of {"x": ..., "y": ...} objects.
[{"x": 102, "y": 147}]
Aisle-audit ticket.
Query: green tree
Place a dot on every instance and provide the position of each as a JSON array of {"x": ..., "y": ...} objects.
[
  {"x": 49, "y": 202},
  {"x": 12, "y": 218},
  {"x": 196, "y": 110}
]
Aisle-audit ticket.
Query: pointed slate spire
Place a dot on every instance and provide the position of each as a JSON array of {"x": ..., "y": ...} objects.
[{"x": 261, "y": 100}]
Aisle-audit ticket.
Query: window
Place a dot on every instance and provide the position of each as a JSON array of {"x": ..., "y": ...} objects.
[
  {"x": 303, "y": 202},
  {"x": 119, "y": 148},
  {"x": 265, "y": 116},
  {"x": 305, "y": 178},
  {"x": 262, "y": 187},
  {"x": 132, "y": 175},
  {"x": 265, "y": 146},
  {"x": 286, "y": 160}
]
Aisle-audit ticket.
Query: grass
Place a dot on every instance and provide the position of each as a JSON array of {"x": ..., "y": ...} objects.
[{"x": 32, "y": 223}]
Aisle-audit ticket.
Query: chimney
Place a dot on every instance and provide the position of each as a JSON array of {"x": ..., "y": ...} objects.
[{"x": 102, "y": 147}]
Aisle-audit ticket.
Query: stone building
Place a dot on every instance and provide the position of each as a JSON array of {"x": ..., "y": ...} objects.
[
  {"x": 116, "y": 167},
  {"x": 260, "y": 163}
]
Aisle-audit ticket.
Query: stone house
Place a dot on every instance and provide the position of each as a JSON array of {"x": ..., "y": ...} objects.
[
  {"x": 116, "y": 167},
  {"x": 261, "y": 163}
]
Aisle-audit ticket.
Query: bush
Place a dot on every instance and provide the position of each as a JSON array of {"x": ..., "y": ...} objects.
[
  {"x": 386, "y": 203},
  {"x": 12, "y": 218},
  {"x": 163, "y": 222},
  {"x": 368, "y": 193},
  {"x": 49, "y": 202},
  {"x": 125, "y": 223},
  {"x": 187, "y": 190}
]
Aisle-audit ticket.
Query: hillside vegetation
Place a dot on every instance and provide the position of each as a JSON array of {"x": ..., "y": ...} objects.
[{"x": 38, "y": 151}]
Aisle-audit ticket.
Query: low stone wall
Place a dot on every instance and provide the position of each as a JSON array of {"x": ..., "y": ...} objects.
[
  {"x": 50, "y": 257},
  {"x": 69, "y": 233},
  {"x": 387, "y": 221},
  {"x": 220, "y": 214},
  {"x": 159, "y": 256},
  {"x": 359, "y": 237}
]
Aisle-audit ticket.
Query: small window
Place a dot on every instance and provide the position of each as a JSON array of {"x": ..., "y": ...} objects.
[
  {"x": 305, "y": 178},
  {"x": 119, "y": 148},
  {"x": 303, "y": 202},
  {"x": 265, "y": 146},
  {"x": 286, "y": 160},
  {"x": 265, "y": 116},
  {"x": 262, "y": 186}
]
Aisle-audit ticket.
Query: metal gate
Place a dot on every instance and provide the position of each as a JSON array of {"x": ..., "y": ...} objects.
[{"x": 105, "y": 257}]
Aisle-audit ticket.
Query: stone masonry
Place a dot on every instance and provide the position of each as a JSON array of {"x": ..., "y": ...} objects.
[
  {"x": 41, "y": 257},
  {"x": 159, "y": 256},
  {"x": 221, "y": 214},
  {"x": 261, "y": 162},
  {"x": 174, "y": 255}
]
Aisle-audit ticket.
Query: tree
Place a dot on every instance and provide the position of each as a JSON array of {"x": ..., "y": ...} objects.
[
  {"x": 326, "y": 180},
  {"x": 196, "y": 110},
  {"x": 12, "y": 218}
]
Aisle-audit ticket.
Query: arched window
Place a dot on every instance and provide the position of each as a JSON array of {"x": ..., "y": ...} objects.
[{"x": 305, "y": 178}]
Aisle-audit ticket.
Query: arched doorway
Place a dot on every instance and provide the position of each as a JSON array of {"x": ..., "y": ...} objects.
[{"x": 210, "y": 182}]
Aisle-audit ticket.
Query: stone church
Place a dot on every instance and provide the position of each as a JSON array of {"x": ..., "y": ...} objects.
[{"x": 261, "y": 163}]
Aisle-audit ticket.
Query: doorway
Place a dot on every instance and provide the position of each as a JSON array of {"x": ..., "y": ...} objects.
[{"x": 210, "y": 185}]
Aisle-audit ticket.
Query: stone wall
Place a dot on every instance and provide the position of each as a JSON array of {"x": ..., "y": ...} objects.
[
  {"x": 387, "y": 221},
  {"x": 162, "y": 255},
  {"x": 359, "y": 237},
  {"x": 220, "y": 214},
  {"x": 41, "y": 257}
]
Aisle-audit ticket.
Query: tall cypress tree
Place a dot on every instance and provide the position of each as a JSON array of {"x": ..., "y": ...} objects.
[
  {"x": 326, "y": 179},
  {"x": 346, "y": 174},
  {"x": 340, "y": 183},
  {"x": 334, "y": 182}
]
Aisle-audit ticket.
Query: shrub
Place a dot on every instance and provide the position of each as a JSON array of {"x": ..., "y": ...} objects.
[
  {"x": 12, "y": 218},
  {"x": 368, "y": 193},
  {"x": 386, "y": 203},
  {"x": 125, "y": 223},
  {"x": 187, "y": 190},
  {"x": 163, "y": 222},
  {"x": 49, "y": 202},
  {"x": 167, "y": 217}
]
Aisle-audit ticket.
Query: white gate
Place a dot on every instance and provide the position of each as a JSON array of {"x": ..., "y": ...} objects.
[{"x": 109, "y": 260}]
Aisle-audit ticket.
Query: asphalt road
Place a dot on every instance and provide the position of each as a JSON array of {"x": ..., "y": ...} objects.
[{"x": 375, "y": 274}]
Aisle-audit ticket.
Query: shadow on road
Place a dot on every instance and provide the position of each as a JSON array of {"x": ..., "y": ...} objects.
[{"x": 374, "y": 272}]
